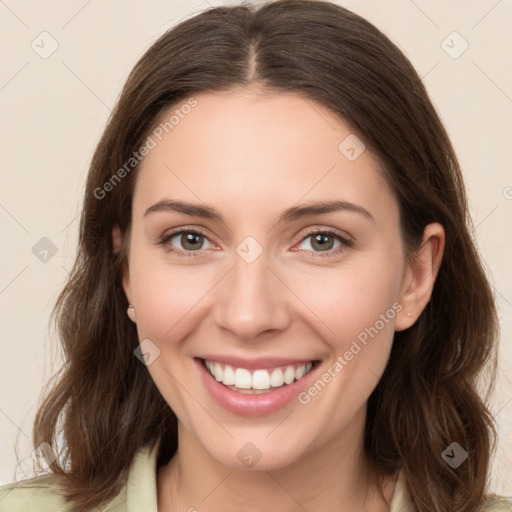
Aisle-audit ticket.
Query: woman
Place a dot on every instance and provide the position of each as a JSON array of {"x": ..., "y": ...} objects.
[{"x": 276, "y": 300}]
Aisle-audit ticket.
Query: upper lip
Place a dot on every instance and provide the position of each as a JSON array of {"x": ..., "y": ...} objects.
[{"x": 254, "y": 364}]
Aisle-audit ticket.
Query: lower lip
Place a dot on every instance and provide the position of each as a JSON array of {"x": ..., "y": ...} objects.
[{"x": 253, "y": 405}]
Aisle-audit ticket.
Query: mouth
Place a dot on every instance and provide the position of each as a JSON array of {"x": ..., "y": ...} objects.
[
  {"x": 257, "y": 381},
  {"x": 255, "y": 391}
]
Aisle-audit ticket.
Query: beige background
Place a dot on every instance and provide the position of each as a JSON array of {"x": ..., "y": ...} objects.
[{"x": 55, "y": 108}]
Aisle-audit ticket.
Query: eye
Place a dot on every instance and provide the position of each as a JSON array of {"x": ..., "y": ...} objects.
[
  {"x": 191, "y": 241},
  {"x": 323, "y": 239}
]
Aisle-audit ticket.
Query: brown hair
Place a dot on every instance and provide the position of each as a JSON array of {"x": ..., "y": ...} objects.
[{"x": 105, "y": 403}]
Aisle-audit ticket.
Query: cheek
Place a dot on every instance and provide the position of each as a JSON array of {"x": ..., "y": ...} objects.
[
  {"x": 168, "y": 297},
  {"x": 350, "y": 300}
]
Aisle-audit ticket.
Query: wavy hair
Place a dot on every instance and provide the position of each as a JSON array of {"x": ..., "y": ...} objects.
[{"x": 104, "y": 402}]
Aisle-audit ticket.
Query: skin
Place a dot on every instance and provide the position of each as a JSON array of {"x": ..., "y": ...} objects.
[{"x": 252, "y": 155}]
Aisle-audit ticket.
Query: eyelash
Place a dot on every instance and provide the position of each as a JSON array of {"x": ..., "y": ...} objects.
[{"x": 346, "y": 242}]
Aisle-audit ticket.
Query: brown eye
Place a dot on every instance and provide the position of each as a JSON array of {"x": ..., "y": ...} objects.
[
  {"x": 325, "y": 240},
  {"x": 322, "y": 241},
  {"x": 191, "y": 241},
  {"x": 184, "y": 242}
]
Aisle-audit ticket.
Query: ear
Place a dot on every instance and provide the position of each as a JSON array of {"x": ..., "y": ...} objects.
[
  {"x": 117, "y": 242},
  {"x": 420, "y": 276}
]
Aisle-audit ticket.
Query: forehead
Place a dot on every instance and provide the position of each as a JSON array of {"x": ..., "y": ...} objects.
[{"x": 253, "y": 150}]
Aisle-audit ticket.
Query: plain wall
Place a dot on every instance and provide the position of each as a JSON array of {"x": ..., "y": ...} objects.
[{"x": 54, "y": 108}]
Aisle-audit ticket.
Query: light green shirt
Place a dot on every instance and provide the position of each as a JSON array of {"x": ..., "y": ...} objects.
[{"x": 139, "y": 494}]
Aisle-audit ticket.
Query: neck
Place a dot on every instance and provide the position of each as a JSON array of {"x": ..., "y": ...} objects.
[{"x": 329, "y": 477}]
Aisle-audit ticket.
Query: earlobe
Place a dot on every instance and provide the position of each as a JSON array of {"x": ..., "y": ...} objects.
[
  {"x": 420, "y": 276},
  {"x": 131, "y": 313}
]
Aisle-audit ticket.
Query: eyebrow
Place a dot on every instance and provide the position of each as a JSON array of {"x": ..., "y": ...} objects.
[{"x": 289, "y": 215}]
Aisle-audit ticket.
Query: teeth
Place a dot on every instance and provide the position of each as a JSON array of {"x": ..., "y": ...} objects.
[
  {"x": 242, "y": 378},
  {"x": 260, "y": 380},
  {"x": 300, "y": 372},
  {"x": 217, "y": 373},
  {"x": 228, "y": 376},
  {"x": 289, "y": 375},
  {"x": 276, "y": 378}
]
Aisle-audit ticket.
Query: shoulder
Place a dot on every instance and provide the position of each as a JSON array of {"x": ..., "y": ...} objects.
[
  {"x": 498, "y": 504},
  {"x": 41, "y": 494},
  {"x": 45, "y": 494}
]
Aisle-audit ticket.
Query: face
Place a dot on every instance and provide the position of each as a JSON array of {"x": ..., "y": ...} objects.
[{"x": 265, "y": 284}]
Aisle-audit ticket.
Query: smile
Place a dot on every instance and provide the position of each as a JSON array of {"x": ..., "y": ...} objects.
[
  {"x": 258, "y": 380},
  {"x": 255, "y": 387}
]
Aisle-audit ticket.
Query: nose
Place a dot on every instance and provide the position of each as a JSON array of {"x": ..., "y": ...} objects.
[{"x": 252, "y": 300}]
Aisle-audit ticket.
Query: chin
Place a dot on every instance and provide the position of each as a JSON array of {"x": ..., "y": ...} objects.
[{"x": 257, "y": 455}]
